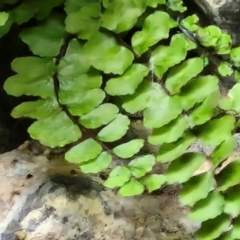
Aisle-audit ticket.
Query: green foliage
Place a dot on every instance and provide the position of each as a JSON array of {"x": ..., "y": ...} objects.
[
  {"x": 232, "y": 201},
  {"x": 84, "y": 22},
  {"x": 209, "y": 35},
  {"x": 53, "y": 131},
  {"x": 3, "y": 18},
  {"x": 234, "y": 97},
  {"x": 209, "y": 132},
  {"x": 96, "y": 63},
  {"x": 228, "y": 177},
  {"x": 50, "y": 33},
  {"x": 190, "y": 23},
  {"x": 223, "y": 151},
  {"x": 129, "y": 149},
  {"x": 236, "y": 229},
  {"x": 157, "y": 113},
  {"x": 182, "y": 168},
  {"x": 115, "y": 129},
  {"x": 100, "y": 163},
  {"x": 118, "y": 177},
  {"x": 164, "y": 57},
  {"x": 225, "y": 69},
  {"x": 141, "y": 165},
  {"x": 197, "y": 188},
  {"x": 176, "y": 5},
  {"x": 140, "y": 99},
  {"x": 128, "y": 82},
  {"x": 181, "y": 74},
  {"x": 120, "y": 16},
  {"x": 211, "y": 229},
  {"x": 32, "y": 73},
  {"x": 92, "y": 119},
  {"x": 84, "y": 151},
  {"x": 131, "y": 188},
  {"x": 204, "y": 112},
  {"x": 151, "y": 33},
  {"x": 153, "y": 181},
  {"x": 208, "y": 208},
  {"x": 198, "y": 90},
  {"x": 169, "y": 132},
  {"x": 173, "y": 150},
  {"x": 234, "y": 56},
  {"x": 107, "y": 55}
]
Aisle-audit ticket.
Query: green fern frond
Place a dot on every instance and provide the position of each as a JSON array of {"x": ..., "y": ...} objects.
[{"x": 102, "y": 62}]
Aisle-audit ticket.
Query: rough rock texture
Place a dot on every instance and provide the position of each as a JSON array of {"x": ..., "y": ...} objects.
[
  {"x": 38, "y": 202},
  {"x": 43, "y": 199}
]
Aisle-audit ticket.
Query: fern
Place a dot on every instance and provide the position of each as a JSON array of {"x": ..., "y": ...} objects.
[{"x": 90, "y": 78}]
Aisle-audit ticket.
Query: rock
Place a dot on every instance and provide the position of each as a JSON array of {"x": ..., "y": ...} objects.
[{"x": 39, "y": 201}]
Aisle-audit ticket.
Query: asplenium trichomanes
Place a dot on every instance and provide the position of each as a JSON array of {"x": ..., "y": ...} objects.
[{"x": 95, "y": 63}]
